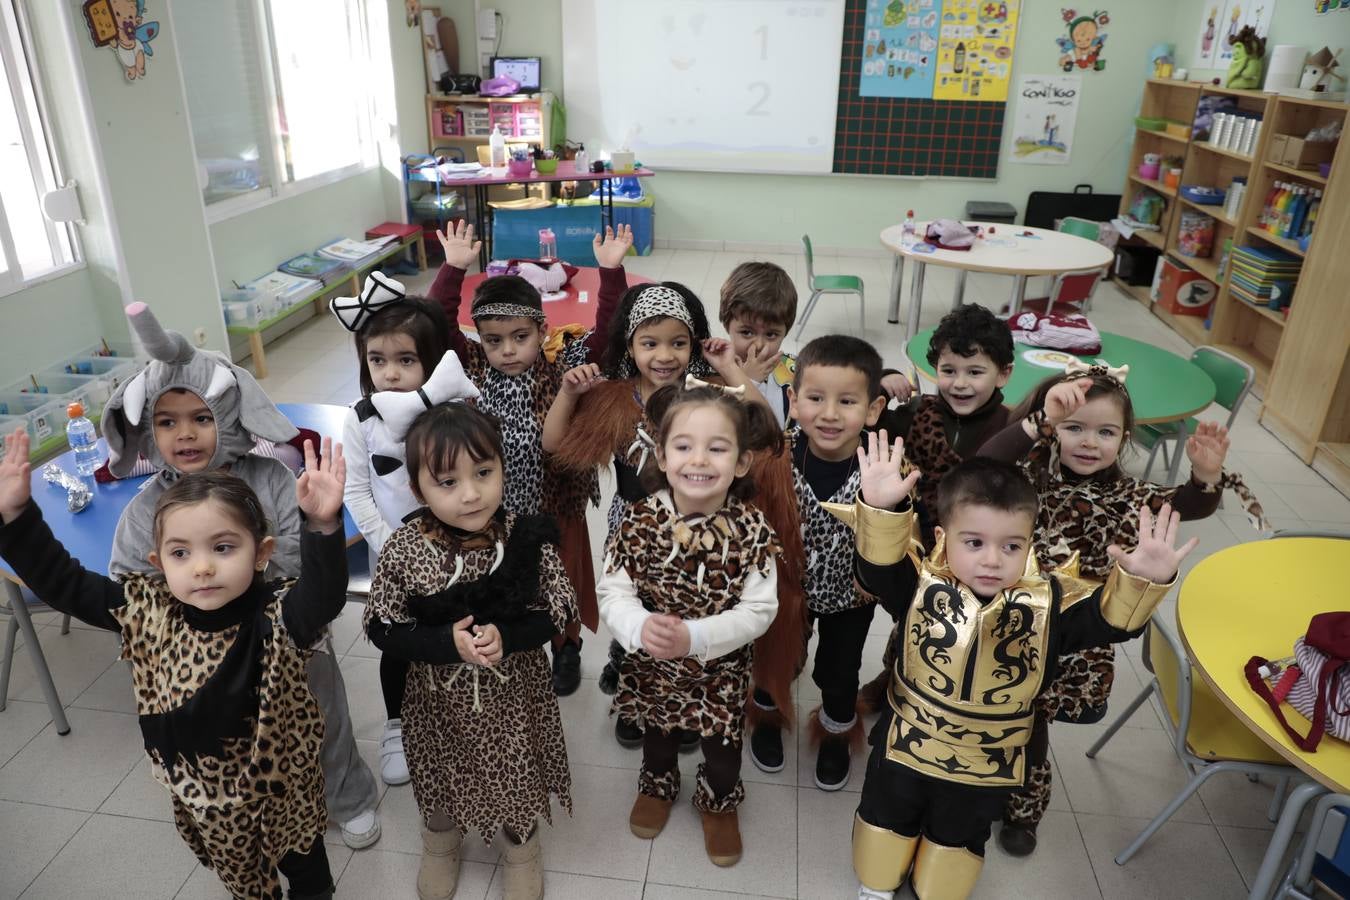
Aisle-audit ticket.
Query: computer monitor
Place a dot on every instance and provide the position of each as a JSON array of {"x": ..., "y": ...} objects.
[{"x": 524, "y": 69}]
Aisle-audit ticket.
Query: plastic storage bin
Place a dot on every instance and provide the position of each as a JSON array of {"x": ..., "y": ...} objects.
[
  {"x": 112, "y": 370},
  {"x": 44, "y": 418}
]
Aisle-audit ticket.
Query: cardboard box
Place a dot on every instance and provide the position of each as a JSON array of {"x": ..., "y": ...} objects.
[
  {"x": 1275, "y": 150},
  {"x": 1183, "y": 291},
  {"x": 1301, "y": 154}
]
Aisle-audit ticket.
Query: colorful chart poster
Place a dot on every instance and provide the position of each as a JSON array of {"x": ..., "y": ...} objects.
[
  {"x": 900, "y": 48},
  {"x": 1235, "y": 14},
  {"x": 975, "y": 49},
  {"x": 1047, "y": 109}
]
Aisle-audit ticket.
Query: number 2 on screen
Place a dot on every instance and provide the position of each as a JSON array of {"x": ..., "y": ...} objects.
[{"x": 757, "y": 108}]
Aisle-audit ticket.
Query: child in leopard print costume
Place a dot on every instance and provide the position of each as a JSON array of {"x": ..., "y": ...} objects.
[
  {"x": 469, "y": 593},
  {"x": 518, "y": 363},
  {"x": 218, "y": 659},
  {"x": 689, "y": 583},
  {"x": 1067, "y": 438}
]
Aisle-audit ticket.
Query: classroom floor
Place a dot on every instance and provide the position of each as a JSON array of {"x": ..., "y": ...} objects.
[{"x": 80, "y": 816}]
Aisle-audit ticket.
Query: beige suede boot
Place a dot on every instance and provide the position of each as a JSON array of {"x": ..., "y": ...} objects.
[
  {"x": 524, "y": 870},
  {"x": 439, "y": 872}
]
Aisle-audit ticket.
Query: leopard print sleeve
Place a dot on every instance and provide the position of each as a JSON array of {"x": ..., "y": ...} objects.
[
  {"x": 388, "y": 593},
  {"x": 760, "y": 547},
  {"x": 620, "y": 548},
  {"x": 556, "y": 595}
]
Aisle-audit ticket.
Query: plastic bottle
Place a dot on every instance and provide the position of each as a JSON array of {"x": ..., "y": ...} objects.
[
  {"x": 1300, "y": 214},
  {"x": 908, "y": 236},
  {"x": 83, "y": 439},
  {"x": 548, "y": 244},
  {"x": 497, "y": 148},
  {"x": 1281, "y": 205},
  {"x": 580, "y": 161},
  {"x": 1269, "y": 211},
  {"x": 959, "y": 58},
  {"x": 1311, "y": 218},
  {"x": 1298, "y": 204}
]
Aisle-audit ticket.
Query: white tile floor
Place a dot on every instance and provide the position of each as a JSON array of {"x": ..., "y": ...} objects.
[{"x": 79, "y": 815}]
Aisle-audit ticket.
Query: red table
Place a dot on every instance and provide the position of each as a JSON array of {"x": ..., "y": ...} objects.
[
  {"x": 567, "y": 171},
  {"x": 566, "y": 311}
]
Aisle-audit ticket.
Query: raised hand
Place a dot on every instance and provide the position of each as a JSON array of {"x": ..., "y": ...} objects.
[
  {"x": 760, "y": 362},
  {"x": 15, "y": 488},
  {"x": 459, "y": 246},
  {"x": 882, "y": 485},
  {"x": 897, "y": 386},
  {"x": 1065, "y": 398},
  {"x": 578, "y": 381},
  {"x": 722, "y": 357},
  {"x": 488, "y": 642},
  {"x": 1207, "y": 449},
  {"x": 613, "y": 247},
  {"x": 465, "y": 642},
  {"x": 319, "y": 488},
  {"x": 1157, "y": 557}
]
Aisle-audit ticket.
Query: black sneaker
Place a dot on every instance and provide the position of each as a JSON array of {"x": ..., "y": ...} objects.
[
  {"x": 689, "y": 741},
  {"x": 609, "y": 675},
  {"x": 832, "y": 764},
  {"x": 567, "y": 668},
  {"x": 1017, "y": 839},
  {"x": 766, "y": 748},
  {"x": 627, "y": 734}
]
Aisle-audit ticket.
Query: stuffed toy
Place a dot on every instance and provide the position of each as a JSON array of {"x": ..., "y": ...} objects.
[{"x": 1248, "y": 49}]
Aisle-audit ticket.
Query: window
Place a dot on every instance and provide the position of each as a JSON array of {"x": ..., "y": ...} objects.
[
  {"x": 30, "y": 246},
  {"x": 279, "y": 94}
]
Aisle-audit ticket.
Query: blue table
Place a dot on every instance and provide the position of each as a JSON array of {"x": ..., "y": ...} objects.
[{"x": 88, "y": 535}]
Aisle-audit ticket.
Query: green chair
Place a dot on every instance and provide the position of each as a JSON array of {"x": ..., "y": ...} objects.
[
  {"x": 1233, "y": 380},
  {"x": 828, "y": 284}
]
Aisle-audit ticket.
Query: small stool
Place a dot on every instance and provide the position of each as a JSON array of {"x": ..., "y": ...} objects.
[
  {"x": 408, "y": 235},
  {"x": 991, "y": 211}
]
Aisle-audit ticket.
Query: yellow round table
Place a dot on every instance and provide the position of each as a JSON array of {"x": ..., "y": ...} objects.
[{"x": 1256, "y": 599}]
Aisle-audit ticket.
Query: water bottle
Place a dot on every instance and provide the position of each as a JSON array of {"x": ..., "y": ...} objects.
[
  {"x": 497, "y": 148},
  {"x": 548, "y": 244},
  {"x": 83, "y": 439},
  {"x": 907, "y": 234},
  {"x": 579, "y": 163}
]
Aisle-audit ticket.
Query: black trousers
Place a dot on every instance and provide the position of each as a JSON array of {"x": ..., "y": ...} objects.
[
  {"x": 307, "y": 874},
  {"x": 393, "y": 684},
  {"x": 899, "y": 799},
  {"x": 839, "y": 657}
]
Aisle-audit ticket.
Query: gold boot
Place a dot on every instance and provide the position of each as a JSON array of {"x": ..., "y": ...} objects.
[
  {"x": 524, "y": 869},
  {"x": 945, "y": 873},
  {"x": 880, "y": 856},
  {"x": 439, "y": 872}
]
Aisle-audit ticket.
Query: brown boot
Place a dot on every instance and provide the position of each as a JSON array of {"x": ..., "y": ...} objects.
[
  {"x": 649, "y": 816},
  {"x": 722, "y": 837},
  {"x": 439, "y": 872},
  {"x": 524, "y": 870}
]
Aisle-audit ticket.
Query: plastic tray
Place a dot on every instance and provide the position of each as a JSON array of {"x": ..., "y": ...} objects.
[
  {"x": 1205, "y": 196},
  {"x": 1149, "y": 124},
  {"x": 42, "y": 416},
  {"x": 111, "y": 370}
]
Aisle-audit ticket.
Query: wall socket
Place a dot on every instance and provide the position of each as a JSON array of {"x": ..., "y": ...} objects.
[{"x": 199, "y": 336}]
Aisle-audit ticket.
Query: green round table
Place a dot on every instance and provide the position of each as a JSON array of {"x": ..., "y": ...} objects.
[{"x": 1163, "y": 386}]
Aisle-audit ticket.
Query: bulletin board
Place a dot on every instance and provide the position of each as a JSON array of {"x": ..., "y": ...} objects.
[{"x": 933, "y": 100}]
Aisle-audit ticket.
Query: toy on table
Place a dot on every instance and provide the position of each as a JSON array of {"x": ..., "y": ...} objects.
[{"x": 1249, "y": 50}]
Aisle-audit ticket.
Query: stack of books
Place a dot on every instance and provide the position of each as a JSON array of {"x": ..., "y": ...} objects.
[
  {"x": 312, "y": 265},
  {"x": 356, "y": 254},
  {"x": 1264, "y": 276}
]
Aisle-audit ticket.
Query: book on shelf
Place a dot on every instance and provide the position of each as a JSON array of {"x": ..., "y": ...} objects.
[
  {"x": 311, "y": 265},
  {"x": 349, "y": 250}
]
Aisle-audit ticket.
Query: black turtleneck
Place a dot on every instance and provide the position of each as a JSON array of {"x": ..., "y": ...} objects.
[{"x": 965, "y": 434}]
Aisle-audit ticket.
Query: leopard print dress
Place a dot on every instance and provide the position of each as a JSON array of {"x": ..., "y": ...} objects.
[
  {"x": 484, "y": 746},
  {"x": 829, "y": 583},
  {"x": 262, "y": 797},
  {"x": 692, "y": 567}
]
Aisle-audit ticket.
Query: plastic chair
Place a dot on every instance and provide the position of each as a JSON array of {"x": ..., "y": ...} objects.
[
  {"x": 1298, "y": 881},
  {"x": 1207, "y": 738},
  {"x": 1074, "y": 289},
  {"x": 828, "y": 284},
  {"x": 1233, "y": 380},
  {"x": 16, "y": 606}
]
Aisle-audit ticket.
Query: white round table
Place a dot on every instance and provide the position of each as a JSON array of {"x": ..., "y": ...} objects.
[{"x": 1014, "y": 250}]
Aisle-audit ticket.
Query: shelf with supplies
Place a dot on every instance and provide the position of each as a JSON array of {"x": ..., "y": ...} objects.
[
  {"x": 1284, "y": 244},
  {"x": 1305, "y": 174},
  {"x": 1154, "y": 185},
  {"x": 1214, "y": 212},
  {"x": 1205, "y": 267},
  {"x": 1222, "y": 151},
  {"x": 469, "y": 118}
]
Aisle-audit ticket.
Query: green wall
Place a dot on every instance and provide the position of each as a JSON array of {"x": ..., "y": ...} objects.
[{"x": 848, "y": 211}]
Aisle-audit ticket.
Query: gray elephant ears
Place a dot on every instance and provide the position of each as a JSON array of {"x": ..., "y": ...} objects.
[
  {"x": 124, "y": 439},
  {"x": 258, "y": 415}
]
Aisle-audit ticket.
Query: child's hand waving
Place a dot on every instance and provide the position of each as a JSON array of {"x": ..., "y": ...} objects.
[
  {"x": 613, "y": 247},
  {"x": 578, "y": 381},
  {"x": 1065, "y": 398},
  {"x": 882, "y": 485},
  {"x": 722, "y": 357},
  {"x": 1207, "y": 449},
  {"x": 459, "y": 246},
  {"x": 15, "y": 488},
  {"x": 1157, "y": 557},
  {"x": 319, "y": 489}
]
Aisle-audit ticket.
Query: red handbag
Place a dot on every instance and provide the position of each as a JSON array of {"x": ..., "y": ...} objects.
[{"x": 1322, "y": 690}]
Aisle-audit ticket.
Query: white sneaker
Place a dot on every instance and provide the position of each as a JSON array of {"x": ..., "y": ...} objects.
[
  {"x": 393, "y": 764},
  {"x": 867, "y": 893},
  {"x": 362, "y": 831}
]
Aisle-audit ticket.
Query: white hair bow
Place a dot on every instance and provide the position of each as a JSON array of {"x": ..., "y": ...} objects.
[
  {"x": 448, "y": 382},
  {"x": 378, "y": 292},
  {"x": 1078, "y": 367}
]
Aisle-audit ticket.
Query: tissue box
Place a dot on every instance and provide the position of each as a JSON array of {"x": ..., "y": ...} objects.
[{"x": 1183, "y": 291}]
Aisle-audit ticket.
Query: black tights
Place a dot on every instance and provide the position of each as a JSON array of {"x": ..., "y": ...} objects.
[
  {"x": 393, "y": 683},
  {"x": 307, "y": 874},
  {"x": 661, "y": 751}
]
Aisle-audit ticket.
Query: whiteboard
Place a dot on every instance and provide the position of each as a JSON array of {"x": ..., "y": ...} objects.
[{"x": 708, "y": 85}]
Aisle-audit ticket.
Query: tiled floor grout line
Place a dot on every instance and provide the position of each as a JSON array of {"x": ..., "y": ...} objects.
[{"x": 63, "y": 846}]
